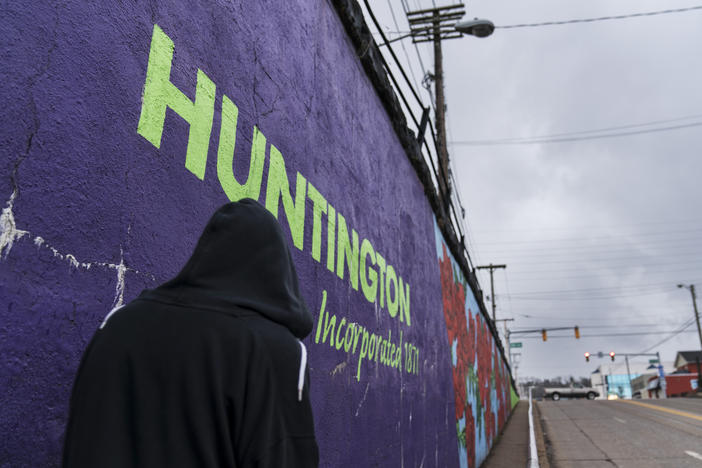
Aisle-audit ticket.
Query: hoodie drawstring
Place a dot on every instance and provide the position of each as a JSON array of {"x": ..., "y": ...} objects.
[
  {"x": 301, "y": 375},
  {"x": 104, "y": 322}
]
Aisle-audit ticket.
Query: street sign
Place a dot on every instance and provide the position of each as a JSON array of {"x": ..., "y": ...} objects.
[
  {"x": 518, "y": 344},
  {"x": 653, "y": 361}
]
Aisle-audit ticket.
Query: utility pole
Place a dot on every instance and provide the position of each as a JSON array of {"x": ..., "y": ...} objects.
[
  {"x": 444, "y": 180},
  {"x": 694, "y": 305},
  {"x": 492, "y": 268},
  {"x": 433, "y": 25}
]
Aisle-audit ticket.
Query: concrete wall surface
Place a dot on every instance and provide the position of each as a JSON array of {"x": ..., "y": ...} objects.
[{"x": 126, "y": 124}]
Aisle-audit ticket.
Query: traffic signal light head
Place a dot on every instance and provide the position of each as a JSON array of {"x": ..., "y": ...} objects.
[
  {"x": 587, "y": 357},
  {"x": 611, "y": 355},
  {"x": 577, "y": 333},
  {"x": 543, "y": 335}
]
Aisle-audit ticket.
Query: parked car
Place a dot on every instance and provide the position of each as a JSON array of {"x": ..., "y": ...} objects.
[{"x": 572, "y": 391}]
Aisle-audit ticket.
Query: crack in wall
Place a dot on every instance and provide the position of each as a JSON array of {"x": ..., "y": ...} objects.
[
  {"x": 363, "y": 400},
  {"x": 8, "y": 228},
  {"x": 9, "y": 233}
]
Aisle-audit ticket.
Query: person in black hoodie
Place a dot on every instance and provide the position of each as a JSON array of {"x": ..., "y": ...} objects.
[{"x": 206, "y": 370}]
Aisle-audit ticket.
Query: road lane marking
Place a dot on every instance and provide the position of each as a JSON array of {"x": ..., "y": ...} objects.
[
  {"x": 694, "y": 454},
  {"x": 620, "y": 420},
  {"x": 667, "y": 410}
]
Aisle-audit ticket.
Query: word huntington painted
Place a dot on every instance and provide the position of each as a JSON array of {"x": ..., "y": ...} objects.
[{"x": 378, "y": 280}]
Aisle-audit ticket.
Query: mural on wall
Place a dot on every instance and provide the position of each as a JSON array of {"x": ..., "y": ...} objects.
[
  {"x": 481, "y": 380},
  {"x": 128, "y": 125}
]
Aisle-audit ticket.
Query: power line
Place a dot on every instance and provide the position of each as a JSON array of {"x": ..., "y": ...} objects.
[
  {"x": 593, "y": 227},
  {"x": 571, "y": 139},
  {"x": 666, "y": 285},
  {"x": 594, "y": 257},
  {"x": 605, "y": 129},
  {"x": 405, "y": 8},
  {"x": 605, "y": 335},
  {"x": 516, "y": 297},
  {"x": 602, "y": 18},
  {"x": 676, "y": 333},
  {"x": 590, "y": 259},
  {"x": 583, "y": 321},
  {"x": 552, "y": 275},
  {"x": 591, "y": 238},
  {"x": 691, "y": 246},
  {"x": 524, "y": 267},
  {"x": 617, "y": 326},
  {"x": 392, "y": 13},
  {"x": 597, "y": 130}
]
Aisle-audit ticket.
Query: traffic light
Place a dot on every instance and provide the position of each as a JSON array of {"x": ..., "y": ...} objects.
[
  {"x": 577, "y": 333},
  {"x": 587, "y": 357},
  {"x": 611, "y": 355},
  {"x": 543, "y": 335}
]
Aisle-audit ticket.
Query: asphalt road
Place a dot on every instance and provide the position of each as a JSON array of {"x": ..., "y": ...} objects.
[{"x": 623, "y": 433}]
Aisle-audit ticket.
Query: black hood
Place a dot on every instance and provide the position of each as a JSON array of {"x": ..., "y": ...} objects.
[{"x": 241, "y": 261}]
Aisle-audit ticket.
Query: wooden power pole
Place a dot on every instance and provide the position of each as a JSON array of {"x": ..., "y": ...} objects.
[{"x": 492, "y": 268}]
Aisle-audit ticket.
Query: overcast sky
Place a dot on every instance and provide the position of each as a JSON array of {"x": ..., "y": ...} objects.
[{"x": 595, "y": 232}]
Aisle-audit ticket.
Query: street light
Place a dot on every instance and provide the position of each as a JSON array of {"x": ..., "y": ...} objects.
[
  {"x": 691, "y": 288},
  {"x": 475, "y": 27}
]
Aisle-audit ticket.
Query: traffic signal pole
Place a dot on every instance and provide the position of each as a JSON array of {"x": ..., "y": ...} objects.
[{"x": 544, "y": 330}]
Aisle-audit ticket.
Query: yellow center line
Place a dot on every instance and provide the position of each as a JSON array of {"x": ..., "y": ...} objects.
[{"x": 667, "y": 410}]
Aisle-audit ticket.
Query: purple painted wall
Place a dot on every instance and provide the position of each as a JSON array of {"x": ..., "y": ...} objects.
[{"x": 96, "y": 207}]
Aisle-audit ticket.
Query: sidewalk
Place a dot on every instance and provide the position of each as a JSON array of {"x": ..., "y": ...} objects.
[{"x": 512, "y": 448}]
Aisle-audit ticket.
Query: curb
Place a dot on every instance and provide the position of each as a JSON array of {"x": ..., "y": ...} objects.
[
  {"x": 541, "y": 439},
  {"x": 533, "y": 453}
]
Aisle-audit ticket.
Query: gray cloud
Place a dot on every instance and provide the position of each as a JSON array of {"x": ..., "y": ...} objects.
[{"x": 618, "y": 218}]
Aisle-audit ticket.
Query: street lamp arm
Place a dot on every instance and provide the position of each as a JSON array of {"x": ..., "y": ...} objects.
[{"x": 398, "y": 38}]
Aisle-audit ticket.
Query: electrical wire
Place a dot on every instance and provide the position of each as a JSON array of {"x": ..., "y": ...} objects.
[
  {"x": 613, "y": 288},
  {"x": 688, "y": 248},
  {"x": 597, "y": 238},
  {"x": 601, "y": 18},
  {"x": 676, "y": 333},
  {"x": 518, "y": 298},
  {"x": 574, "y": 138},
  {"x": 606, "y": 335},
  {"x": 405, "y": 8},
  {"x": 596, "y": 273},
  {"x": 402, "y": 44},
  {"x": 601, "y": 130},
  {"x": 697, "y": 221}
]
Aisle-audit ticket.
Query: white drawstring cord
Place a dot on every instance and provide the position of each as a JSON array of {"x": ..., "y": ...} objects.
[
  {"x": 301, "y": 375},
  {"x": 110, "y": 315}
]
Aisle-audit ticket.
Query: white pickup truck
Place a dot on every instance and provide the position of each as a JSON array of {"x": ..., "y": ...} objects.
[{"x": 573, "y": 391}]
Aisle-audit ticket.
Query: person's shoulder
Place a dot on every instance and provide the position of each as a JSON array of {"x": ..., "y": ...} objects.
[{"x": 272, "y": 332}]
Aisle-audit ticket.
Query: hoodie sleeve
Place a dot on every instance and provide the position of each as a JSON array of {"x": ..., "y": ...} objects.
[{"x": 276, "y": 429}]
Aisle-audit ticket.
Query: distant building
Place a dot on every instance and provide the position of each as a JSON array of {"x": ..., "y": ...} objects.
[
  {"x": 688, "y": 361},
  {"x": 613, "y": 378},
  {"x": 645, "y": 385},
  {"x": 685, "y": 380}
]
